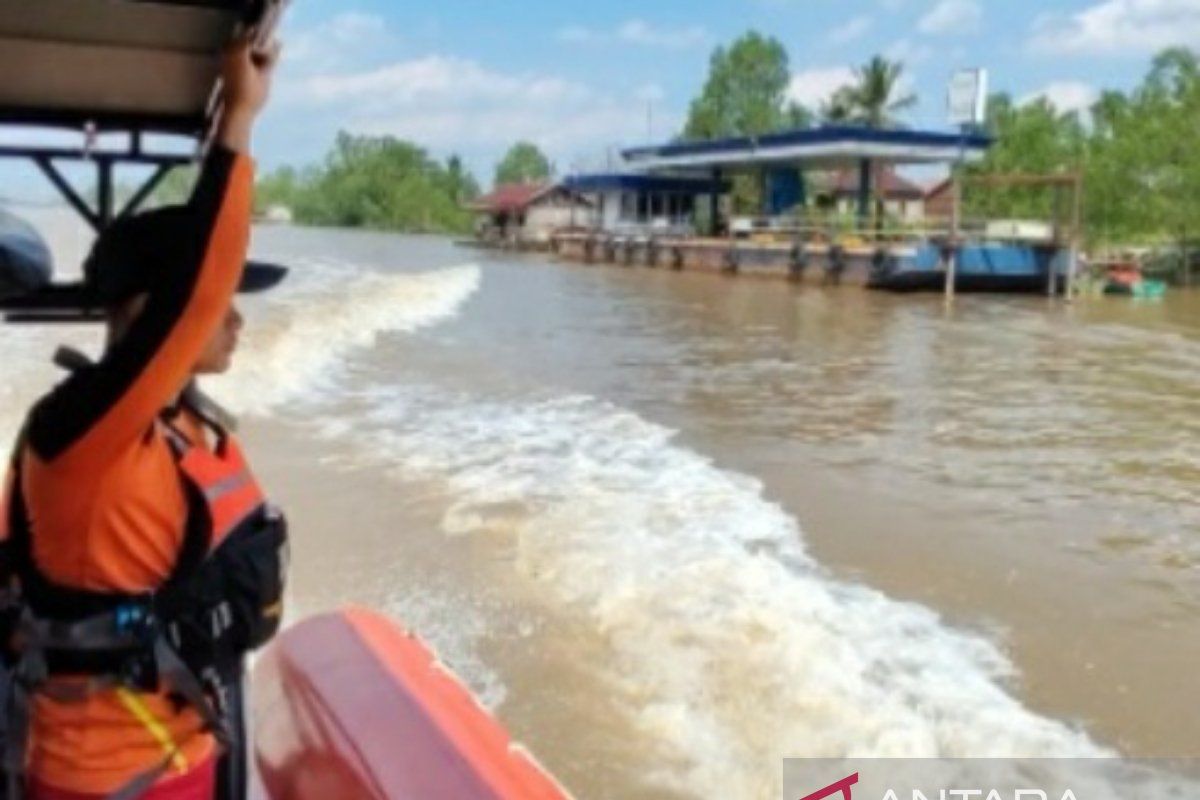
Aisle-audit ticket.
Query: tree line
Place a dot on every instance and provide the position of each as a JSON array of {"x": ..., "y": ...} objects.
[
  {"x": 1138, "y": 150},
  {"x": 1139, "y": 154},
  {"x": 386, "y": 183},
  {"x": 378, "y": 182}
]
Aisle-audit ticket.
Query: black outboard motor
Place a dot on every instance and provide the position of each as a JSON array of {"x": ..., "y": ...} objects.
[{"x": 25, "y": 261}]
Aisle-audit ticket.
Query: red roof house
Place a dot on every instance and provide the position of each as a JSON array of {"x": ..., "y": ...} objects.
[
  {"x": 510, "y": 198},
  {"x": 891, "y": 185},
  {"x": 528, "y": 212}
]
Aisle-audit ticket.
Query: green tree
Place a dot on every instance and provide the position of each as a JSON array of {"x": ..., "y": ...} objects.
[
  {"x": 461, "y": 184},
  {"x": 745, "y": 94},
  {"x": 1168, "y": 112},
  {"x": 1031, "y": 138},
  {"x": 176, "y": 187},
  {"x": 745, "y": 91},
  {"x": 281, "y": 187},
  {"x": 874, "y": 99},
  {"x": 523, "y": 163},
  {"x": 1114, "y": 210},
  {"x": 1138, "y": 154},
  {"x": 374, "y": 182},
  {"x": 839, "y": 109},
  {"x": 797, "y": 116}
]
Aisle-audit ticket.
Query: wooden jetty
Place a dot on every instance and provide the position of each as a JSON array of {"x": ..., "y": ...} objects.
[{"x": 821, "y": 262}]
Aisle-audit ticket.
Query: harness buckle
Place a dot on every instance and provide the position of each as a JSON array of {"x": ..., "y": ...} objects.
[{"x": 136, "y": 619}]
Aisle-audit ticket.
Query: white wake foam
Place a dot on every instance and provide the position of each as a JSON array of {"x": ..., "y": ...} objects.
[
  {"x": 26, "y": 371},
  {"x": 295, "y": 340},
  {"x": 741, "y": 649},
  {"x": 295, "y": 345}
]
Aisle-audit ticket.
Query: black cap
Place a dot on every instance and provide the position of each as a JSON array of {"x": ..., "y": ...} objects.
[{"x": 133, "y": 253}]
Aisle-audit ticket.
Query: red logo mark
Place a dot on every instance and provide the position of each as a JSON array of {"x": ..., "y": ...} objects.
[{"x": 842, "y": 786}]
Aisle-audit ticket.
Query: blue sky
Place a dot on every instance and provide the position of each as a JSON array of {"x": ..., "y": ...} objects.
[{"x": 472, "y": 76}]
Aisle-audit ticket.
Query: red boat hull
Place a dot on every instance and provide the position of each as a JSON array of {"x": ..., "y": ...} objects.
[{"x": 349, "y": 706}]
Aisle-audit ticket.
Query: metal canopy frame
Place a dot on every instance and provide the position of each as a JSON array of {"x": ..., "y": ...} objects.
[
  {"x": 828, "y": 146},
  {"x": 60, "y": 302},
  {"x": 46, "y": 159}
]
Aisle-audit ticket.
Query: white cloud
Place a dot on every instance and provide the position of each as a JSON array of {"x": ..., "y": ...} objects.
[
  {"x": 650, "y": 93},
  {"x": 813, "y": 87},
  {"x": 1119, "y": 27},
  {"x": 637, "y": 32},
  {"x": 333, "y": 43},
  {"x": 1066, "y": 96},
  {"x": 434, "y": 80},
  {"x": 853, "y": 29},
  {"x": 908, "y": 52},
  {"x": 952, "y": 16},
  {"x": 451, "y": 103},
  {"x": 577, "y": 34}
]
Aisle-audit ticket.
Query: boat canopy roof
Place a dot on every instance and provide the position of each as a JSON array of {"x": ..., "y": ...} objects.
[
  {"x": 129, "y": 67},
  {"x": 118, "y": 65},
  {"x": 829, "y": 146}
]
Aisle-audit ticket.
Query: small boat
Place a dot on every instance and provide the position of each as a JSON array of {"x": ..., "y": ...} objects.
[
  {"x": 983, "y": 266},
  {"x": 1127, "y": 279}
]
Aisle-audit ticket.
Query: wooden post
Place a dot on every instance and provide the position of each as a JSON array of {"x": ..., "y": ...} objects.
[
  {"x": 955, "y": 226},
  {"x": 865, "y": 173},
  {"x": 715, "y": 199},
  {"x": 764, "y": 198},
  {"x": 1076, "y": 235},
  {"x": 1051, "y": 270}
]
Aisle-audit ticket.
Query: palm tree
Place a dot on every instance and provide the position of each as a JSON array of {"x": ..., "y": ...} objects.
[
  {"x": 840, "y": 109},
  {"x": 872, "y": 100}
]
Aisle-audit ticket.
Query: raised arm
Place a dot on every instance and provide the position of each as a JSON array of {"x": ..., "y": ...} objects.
[{"x": 105, "y": 408}]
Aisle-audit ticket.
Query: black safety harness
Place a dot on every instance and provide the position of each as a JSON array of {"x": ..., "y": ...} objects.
[{"x": 188, "y": 637}]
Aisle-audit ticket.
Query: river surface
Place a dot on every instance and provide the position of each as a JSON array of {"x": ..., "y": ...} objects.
[{"x": 675, "y": 527}]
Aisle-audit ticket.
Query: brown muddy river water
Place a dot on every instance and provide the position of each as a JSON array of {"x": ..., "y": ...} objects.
[{"x": 675, "y": 527}]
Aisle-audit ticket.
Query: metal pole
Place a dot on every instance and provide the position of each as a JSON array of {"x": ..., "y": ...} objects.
[
  {"x": 1076, "y": 235},
  {"x": 764, "y": 200},
  {"x": 68, "y": 192},
  {"x": 864, "y": 192},
  {"x": 1051, "y": 269},
  {"x": 955, "y": 215},
  {"x": 955, "y": 225},
  {"x": 714, "y": 223},
  {"x": 139, "y": 197},
  {"x": 104, "y": 192}
]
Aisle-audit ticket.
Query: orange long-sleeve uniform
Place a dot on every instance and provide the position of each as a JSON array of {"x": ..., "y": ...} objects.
[{"x": 103, "y": 493}]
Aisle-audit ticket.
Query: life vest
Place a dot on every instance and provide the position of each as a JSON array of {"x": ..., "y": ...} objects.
[{"x": 188, "y": 637}]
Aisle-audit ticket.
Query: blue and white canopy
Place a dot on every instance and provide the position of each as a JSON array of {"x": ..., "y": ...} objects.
[
  {"x": 821, "y": 147},
  {"x": 650, "y": 184}
]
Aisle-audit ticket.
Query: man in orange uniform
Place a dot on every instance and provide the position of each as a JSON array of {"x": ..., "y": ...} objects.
[{"x": 100, "y": 475}]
